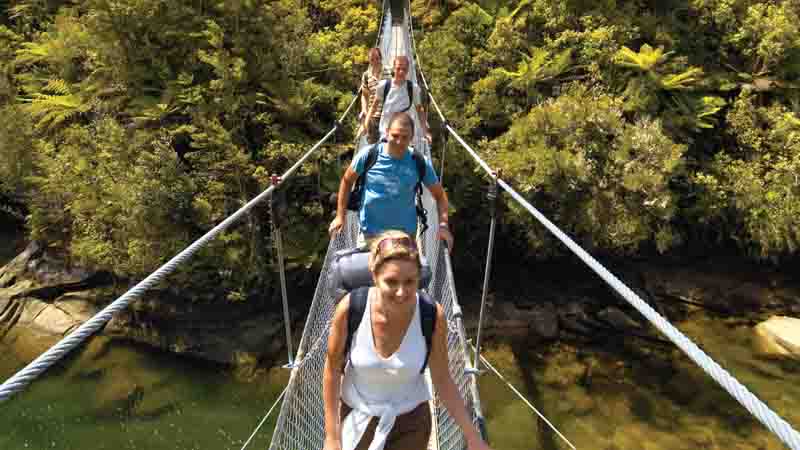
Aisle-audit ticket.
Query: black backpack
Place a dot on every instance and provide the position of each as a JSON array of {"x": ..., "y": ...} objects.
[
  {"x": 358, "y": 304},
  {"x": 354, "y": 202}
]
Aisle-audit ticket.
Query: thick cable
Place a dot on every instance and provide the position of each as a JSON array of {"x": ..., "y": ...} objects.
[
  {"x": 469, "y": 149},
  {"x": 757, "y": 408},
  {"x": 346, "y": 111},
  {"x": 525, "y": 400},
  {"x": 278, "y": 400},
  {"x": 442, "y": 158},
  {"x": 24, "y": 377}
]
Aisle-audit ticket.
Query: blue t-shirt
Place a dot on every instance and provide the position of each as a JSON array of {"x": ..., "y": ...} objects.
[{"x": 388, "y": 198}]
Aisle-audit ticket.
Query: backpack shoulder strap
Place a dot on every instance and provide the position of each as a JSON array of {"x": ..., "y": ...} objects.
[
  {"x": 354, "y": 202},
  {"x": 410, "y": 90},
  {"x": 355, "y": 312},
  {"x": 428, "y": 322},
  {"x": 386, "y": 86},
  {"x": 419, "y": 160},
  {"x": 372, "y": 157}
]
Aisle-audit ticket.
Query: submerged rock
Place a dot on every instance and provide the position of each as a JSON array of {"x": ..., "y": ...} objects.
[{"x": 778, "y": 337}]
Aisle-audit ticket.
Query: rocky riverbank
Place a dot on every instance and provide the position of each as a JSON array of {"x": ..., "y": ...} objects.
[
  {"x": 42, "y": 298},
  {"x": 567, "y": 302}
]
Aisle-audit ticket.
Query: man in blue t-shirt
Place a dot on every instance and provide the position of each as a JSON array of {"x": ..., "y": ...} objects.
[{"x": 389, "y": 188}]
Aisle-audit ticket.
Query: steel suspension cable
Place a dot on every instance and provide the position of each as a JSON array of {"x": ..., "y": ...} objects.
[
  {"x": 258, "y": 427},
  {"x": 753, "y": 404},
  {"x": 24, "y": 377}
]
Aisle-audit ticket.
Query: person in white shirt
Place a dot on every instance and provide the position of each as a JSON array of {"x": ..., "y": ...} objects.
[
  {"x": 397, "y": 99},
  {"x": 375, "y": 393}
]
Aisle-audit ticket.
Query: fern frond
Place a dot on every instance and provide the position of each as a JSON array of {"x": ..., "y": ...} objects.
[
  {"x": 645, "y": 60},
  {"x": 50, "y": 111},
  {"x": 32, "y": 53},
  {"x": 683, "y": 80},
  {"x": 57, "y": 86}
]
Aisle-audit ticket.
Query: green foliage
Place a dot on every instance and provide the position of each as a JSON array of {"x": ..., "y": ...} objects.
[
  {"x": 596, "y": 174},
  {"x": 54, "y": 105},
  {"x": 664, "y": 86},
  {"x": 131, "y": 127},
  {"x": 9, "y": 42},
  {"x": 753, "y": 192},
  {"x": 15, "y": 152},
  {"x": 150, "y": 123},
  {"x": 769, "y": 35},
  {"x": 454, "y": 57},
  {"x": 672, "y": 71}
]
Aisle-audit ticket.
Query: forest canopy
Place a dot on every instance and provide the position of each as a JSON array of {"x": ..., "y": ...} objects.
[{"x": 130, "y": 127}]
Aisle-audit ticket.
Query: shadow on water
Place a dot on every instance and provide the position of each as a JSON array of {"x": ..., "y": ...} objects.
[
  {"x": 527, "y": 367},
  {"x": 624, "y": 394}
]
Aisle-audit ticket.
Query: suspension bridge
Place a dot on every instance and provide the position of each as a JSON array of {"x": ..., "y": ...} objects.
[{"x": 300, "y": 423}]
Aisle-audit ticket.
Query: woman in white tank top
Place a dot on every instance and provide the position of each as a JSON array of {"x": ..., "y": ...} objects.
[{"x": 380, "y": 400}]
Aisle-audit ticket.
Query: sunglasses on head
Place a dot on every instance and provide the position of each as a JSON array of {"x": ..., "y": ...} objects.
[{"x": 390, "y": 242}]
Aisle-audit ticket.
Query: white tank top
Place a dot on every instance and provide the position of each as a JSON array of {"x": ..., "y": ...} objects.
[{"x": 382, "y": 387}]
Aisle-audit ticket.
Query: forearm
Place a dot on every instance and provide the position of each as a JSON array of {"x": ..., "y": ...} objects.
[
  {"x": 331, "y": 385},
  {"x": 423, "y": 118},
  {"x": 443, "y": 208},
  {"x": 372, "y": 107},
  {"x": 342, "y": 197},
  {"x": 364, "y": 104},
  {"x": 448, "y": 393}
]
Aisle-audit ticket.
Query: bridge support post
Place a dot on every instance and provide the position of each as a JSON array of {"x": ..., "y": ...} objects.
[
  {"x": 278, "y": 209},
  {"x": 492, "y": 197}
]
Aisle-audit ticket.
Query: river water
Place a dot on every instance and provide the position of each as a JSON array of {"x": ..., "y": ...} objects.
[{"x": 117, "y": 396}]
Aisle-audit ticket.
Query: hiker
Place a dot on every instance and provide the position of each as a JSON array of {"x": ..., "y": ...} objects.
[
  {"x": 388, "y": 183},
  {"x": 397, "y": 95},
  {"x": 381, "y": 340},
  {"x": 369, "y": 81}
]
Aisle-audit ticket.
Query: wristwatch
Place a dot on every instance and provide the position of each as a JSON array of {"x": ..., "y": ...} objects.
[{"x": 443, "y": 225}]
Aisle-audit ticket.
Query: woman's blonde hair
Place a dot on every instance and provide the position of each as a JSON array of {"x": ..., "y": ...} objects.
[{"x": 392, "y": 245}]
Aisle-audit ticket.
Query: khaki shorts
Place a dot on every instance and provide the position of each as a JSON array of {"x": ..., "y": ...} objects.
[{"x": 411, "y": 431}]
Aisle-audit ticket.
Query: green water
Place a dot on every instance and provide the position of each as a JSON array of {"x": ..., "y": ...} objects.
[
  {"x": 119, "y": 397},
  {"x": 116, "y": 396}
]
